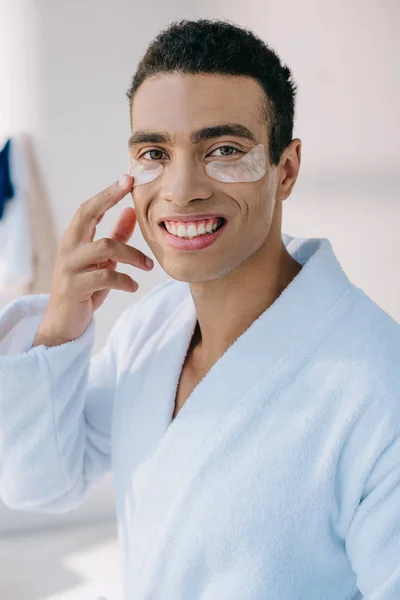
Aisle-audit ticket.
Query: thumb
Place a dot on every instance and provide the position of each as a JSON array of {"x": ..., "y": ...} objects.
[{"x": 125, "y": 225}]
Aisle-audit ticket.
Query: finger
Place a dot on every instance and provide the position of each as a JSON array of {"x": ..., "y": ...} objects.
[
  {"x": 107, "y": 264},
  {"x": 124, "y": 227},
  {"x": 90, "y": 212},
  {"x": 106, "y": 249},
  {"x": 105, "y": 279},
  {"x": 121, "y": 232}
]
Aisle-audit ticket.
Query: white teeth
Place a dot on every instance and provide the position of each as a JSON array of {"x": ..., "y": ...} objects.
[
  {"x": 181, "y": 232},
  {"x": 190, "y": 231}
]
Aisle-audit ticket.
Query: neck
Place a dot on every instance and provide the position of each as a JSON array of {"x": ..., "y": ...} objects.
[{"x": 226, "y": 307}]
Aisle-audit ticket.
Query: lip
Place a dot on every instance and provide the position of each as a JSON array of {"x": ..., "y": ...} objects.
[
  {"x": 193, "y": 244},
  {"x": 189, "y": 218}
]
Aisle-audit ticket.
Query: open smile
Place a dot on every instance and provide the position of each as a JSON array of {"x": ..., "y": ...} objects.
[{"x": 193, "y": 235}]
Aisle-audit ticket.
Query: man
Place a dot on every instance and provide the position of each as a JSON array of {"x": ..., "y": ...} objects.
[{"x": 249, "y": 407}]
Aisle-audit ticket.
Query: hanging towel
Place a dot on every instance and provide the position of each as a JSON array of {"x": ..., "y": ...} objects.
[
  {"x": 6, "y": 186},
  {"x": 16, "y": 253}
]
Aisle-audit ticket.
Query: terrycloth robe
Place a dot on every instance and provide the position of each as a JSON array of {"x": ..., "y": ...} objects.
[{"x": 279, "y": 479}]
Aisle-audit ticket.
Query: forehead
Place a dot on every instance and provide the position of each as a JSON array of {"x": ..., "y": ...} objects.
[{"x": 182, "y": 103}]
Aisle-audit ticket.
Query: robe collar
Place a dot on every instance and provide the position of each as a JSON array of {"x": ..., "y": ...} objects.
[{"x": 308, "y": 302}]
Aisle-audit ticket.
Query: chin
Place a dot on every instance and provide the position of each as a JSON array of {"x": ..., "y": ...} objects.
[
  {"x": 187, "y": 275},
  {"x": 192, "y": 273}
]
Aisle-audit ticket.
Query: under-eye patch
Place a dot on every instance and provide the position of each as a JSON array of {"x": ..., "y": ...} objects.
[
  {"x": 144, "y": 172},
  {"x": 249, "y": 167}
]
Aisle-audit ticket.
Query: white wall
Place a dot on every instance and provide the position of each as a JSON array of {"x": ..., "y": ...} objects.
[{"x": 74, "y": 63}]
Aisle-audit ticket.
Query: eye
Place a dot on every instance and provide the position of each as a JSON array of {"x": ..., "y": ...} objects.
[
  {"x": 227, "y": 148},
  {"x": 152, "y": 150}
]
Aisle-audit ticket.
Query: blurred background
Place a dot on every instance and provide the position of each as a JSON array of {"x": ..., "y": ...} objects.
[{"x": 64, "y": 70}]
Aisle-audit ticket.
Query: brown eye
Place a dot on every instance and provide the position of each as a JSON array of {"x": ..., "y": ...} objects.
[
  {"x": 231, "y": 151},
  {"x": 152, "y": 151}
]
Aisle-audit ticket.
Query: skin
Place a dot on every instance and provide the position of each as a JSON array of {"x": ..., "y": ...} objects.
[
  {"x": 85, "y": 269},
  {"x": 237, "y": 278}
]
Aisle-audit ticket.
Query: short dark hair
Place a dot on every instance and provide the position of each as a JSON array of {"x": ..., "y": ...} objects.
[{"x": 221, "y": 47}]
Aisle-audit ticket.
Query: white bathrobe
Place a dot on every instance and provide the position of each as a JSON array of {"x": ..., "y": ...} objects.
[{"x": 279, "y": 479}]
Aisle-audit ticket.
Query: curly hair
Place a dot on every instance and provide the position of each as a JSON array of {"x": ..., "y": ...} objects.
[{"x": 221, "y": 47}]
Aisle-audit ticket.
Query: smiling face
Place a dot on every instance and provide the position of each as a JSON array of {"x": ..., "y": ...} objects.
[{"x": 173, "y": 116}]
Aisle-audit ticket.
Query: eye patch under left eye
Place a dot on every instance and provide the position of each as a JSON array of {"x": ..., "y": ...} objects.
[{"x": 249, "y": 167}]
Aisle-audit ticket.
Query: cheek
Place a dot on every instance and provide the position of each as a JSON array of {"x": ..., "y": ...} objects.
[
  {"x": 256, "y": 202},
  {"x": 146, "y": 220},
  {"x": 140, "y": 205},
  {"x": 141, "y": 201}
]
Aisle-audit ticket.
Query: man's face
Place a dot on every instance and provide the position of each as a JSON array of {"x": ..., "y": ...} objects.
[{"x": 178, "y": 105}]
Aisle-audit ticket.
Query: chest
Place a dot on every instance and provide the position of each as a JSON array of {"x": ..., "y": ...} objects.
[
  {"x": 249, "y": 493},
  {"x": 189, "y": 378}
]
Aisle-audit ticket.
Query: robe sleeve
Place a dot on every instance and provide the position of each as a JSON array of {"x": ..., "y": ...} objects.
[
  {"x": 373, "y": 539},
  {"x": 55, "y": 411}
]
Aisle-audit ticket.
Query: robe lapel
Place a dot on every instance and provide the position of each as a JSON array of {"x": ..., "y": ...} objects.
[
  {"x": 286, "y": 328},
  {"x": 260, "y": 358}
]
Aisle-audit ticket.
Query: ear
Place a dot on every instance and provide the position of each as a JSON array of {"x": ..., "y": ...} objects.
[{"x": 288, "y": 169}]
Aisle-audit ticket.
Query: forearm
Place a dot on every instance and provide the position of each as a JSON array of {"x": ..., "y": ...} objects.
[{"x": 42, "y": 393}]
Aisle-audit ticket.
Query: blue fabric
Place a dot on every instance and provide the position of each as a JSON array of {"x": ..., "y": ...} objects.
[{"x": 6, "y": 186}]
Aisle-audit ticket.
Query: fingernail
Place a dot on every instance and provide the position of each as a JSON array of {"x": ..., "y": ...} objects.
[
  {"x": 149, "y": 262},
  {"x": 122, "y": 181}
]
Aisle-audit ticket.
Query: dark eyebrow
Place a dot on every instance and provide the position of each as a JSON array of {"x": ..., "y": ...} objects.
[{"x": 206, "y": 133}]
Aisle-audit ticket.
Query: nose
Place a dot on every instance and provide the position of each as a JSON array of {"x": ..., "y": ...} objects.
[{"x": 185, "y": 180}]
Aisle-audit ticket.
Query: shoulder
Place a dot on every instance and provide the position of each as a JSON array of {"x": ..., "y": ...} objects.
[
  {"x": 360, "y": 369},
  {"x": 356, "y": 367},
  {"x": 376, "y": 336},
  {"x": 367, "y": 362}
]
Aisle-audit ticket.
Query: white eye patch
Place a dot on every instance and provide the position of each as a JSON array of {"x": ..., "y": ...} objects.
[
  {"x": 249, "y": 167},
  {"x": 144, "y": 173}
]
